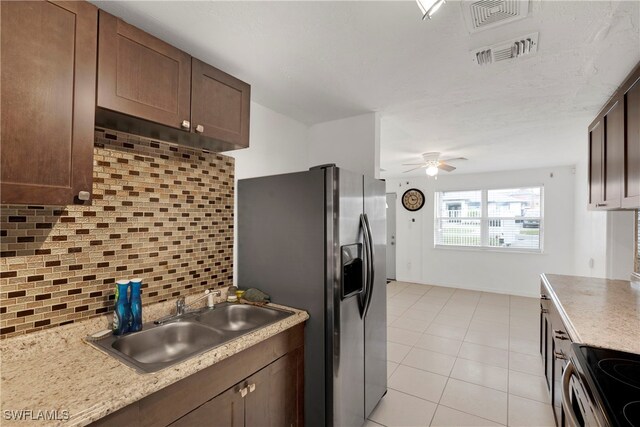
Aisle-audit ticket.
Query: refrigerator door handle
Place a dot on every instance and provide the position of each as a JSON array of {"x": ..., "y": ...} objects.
[
  {"x": 370, "y": 264},
  {"x": 364, "y": 296}
]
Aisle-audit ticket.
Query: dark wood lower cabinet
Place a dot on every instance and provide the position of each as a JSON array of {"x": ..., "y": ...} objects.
[
  {"x": 260, "y": 386},
  {"x": 273, "y": 394},
  {"x": 555, "y": 347},
  {"x": 225, "y": 410}
]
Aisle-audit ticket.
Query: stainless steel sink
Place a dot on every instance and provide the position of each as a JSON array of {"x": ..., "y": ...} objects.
[
  {"x": 244, "y": 318},
  {"x": 159, "y": 346}
]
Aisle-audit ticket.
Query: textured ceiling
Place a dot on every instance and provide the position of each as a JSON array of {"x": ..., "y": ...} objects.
[{"x": 319, "y": 61}]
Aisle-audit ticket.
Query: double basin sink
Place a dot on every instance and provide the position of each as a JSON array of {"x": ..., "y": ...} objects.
[{"x": 159, "y": 346}]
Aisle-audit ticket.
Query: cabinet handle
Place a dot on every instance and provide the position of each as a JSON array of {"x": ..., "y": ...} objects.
[
  {"x": 252, "y": 388},
  {"x": 186, "y": 124},
  {"x": 543, "y": 296},
  {"x": 199, "y": 128},
  {"x": 559, "y": 335},
  {"x": 559, "y": 355},
  {"x": 600, "y": 205},
  {"x": 84, "y": 195},
  {"x": 544, "y": 310},
  {"x": 243, "y": 392}
]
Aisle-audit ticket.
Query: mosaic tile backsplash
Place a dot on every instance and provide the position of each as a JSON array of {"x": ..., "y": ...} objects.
[{"x": 159, "y": 211}]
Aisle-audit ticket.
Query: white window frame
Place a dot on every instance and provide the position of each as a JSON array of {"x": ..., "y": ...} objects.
[{"x": 485, "y": 220}]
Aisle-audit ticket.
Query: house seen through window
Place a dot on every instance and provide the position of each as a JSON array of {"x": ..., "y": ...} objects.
[{"x": 510, "y": 218}]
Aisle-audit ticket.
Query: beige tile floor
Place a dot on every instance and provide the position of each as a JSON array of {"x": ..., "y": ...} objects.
[{"x": 462, "y": 358}]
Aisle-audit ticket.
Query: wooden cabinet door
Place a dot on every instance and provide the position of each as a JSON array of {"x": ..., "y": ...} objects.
[
  {"x": 613, "y": 152},
  {"x": 219, "y": 105},
  {"x": 274, "y": 393},
  {"x": 224, "y": 410},
  {"x": 140, "y": 75},
  {"x": 631, "y": 182},
  {"x": 47, "y": 100},
  {"x": 596, "y": 142}
]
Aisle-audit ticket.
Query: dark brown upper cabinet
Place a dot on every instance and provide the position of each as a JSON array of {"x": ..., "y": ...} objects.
[
  {"x": 219, "y": 104},
  {"x": 142, "y": 76},
  {"x": 150, "y": 88},
  {"x": 631, "y": 181},
  {"x": 596, "y": 143},
  {"x": 614, "y": 150},
  {"x": 48, "y": 67}
]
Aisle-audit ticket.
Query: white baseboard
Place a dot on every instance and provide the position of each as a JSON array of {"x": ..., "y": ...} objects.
[{"x": 476, "y": 288}]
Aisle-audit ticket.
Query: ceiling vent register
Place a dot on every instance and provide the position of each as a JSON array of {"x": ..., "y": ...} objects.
[
  {"x": 508, "y": 50},
  {"x": 484, "y": 14}
]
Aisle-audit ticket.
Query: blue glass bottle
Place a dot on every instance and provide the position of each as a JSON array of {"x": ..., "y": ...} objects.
[
  {"x": 122, "y": 312},
  {"x": 136, "y": 305}
]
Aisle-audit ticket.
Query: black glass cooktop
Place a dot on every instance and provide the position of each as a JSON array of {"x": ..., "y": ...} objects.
[{"x": 616, "y": 378}]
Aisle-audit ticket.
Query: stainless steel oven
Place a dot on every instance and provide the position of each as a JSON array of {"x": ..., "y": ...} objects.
[
  {"x": 579, "y": 408},
  {"x": 601, "y": 388}
]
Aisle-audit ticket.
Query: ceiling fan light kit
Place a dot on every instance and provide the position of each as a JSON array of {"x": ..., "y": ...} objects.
[
  {"x": 429, "y": 7},
  {"x": 432, "y": 164},
  {"x": 432, "y": 170}
]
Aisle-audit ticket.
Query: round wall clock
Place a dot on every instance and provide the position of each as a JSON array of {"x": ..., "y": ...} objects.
[{"x": 413, "y": 199}]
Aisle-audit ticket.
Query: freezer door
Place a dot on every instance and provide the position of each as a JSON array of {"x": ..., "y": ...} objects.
[
  {"x": 344, "y": 311},
  {"x": 281, "y": 250},
  {"x": 376, "y": 318}
]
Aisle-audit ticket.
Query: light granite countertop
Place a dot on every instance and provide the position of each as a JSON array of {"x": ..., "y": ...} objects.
[
  {"x": 56, "y": 370},
  {"x": 598, "y": 312}
]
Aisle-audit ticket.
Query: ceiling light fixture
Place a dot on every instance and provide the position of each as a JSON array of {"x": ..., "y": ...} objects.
[
  {"x": 432, "y": 170},
  {"x": 429, "y": 7}
]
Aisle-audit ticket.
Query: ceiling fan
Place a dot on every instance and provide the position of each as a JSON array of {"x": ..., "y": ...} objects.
[{"x": 432, "y": 163}]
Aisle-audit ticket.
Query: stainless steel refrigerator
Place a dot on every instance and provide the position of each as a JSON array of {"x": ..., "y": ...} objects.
[{"x": 316, "y": 240}]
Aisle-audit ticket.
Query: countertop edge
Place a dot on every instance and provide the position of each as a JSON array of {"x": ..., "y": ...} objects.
[{"x": 571, "y": 329}]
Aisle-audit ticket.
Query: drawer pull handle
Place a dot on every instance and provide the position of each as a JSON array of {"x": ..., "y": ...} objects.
[
  {"x": 543, "y": 296},
  {"x": 559, "y": 355},
  {"x": 600, "y": 205},
  {"x": 544, "y": 310},
  {"x": 252, "y": 388}
]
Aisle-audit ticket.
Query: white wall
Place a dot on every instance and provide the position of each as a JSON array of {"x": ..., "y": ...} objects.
[
  {"x": 620, "y": 244},
  {"x": 590, "y": 256},
  {"x": 504, "y": 272},
  {"x": 352, "y": 143},
  {"x": 604, "y": 241},
  {"x": 278, "y": 144}
]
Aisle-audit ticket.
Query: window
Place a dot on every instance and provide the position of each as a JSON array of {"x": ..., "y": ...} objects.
[{"x": 510, "y": 218}]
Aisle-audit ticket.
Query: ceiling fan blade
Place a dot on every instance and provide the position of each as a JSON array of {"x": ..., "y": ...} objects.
[
  {"x": 453, "y": 159},
  {"x": 411, "y": 170},
  {"x": 446, "y": 167},
  {"x": 413, "y": 164}
]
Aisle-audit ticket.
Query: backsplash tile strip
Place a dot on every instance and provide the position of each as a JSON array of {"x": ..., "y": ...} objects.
[{"x": 159, "y": 211}]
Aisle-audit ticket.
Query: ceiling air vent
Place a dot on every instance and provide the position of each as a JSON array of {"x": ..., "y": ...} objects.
[
  {"x": 504, "y": 51},
  {"x": 483, "y": 14}
]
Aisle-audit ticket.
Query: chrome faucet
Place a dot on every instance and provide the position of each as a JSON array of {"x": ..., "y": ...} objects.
[{"x": 182, "y": 306}]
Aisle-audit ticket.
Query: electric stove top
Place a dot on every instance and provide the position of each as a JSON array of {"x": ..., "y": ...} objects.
[{"x": 614, "y": 380}]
